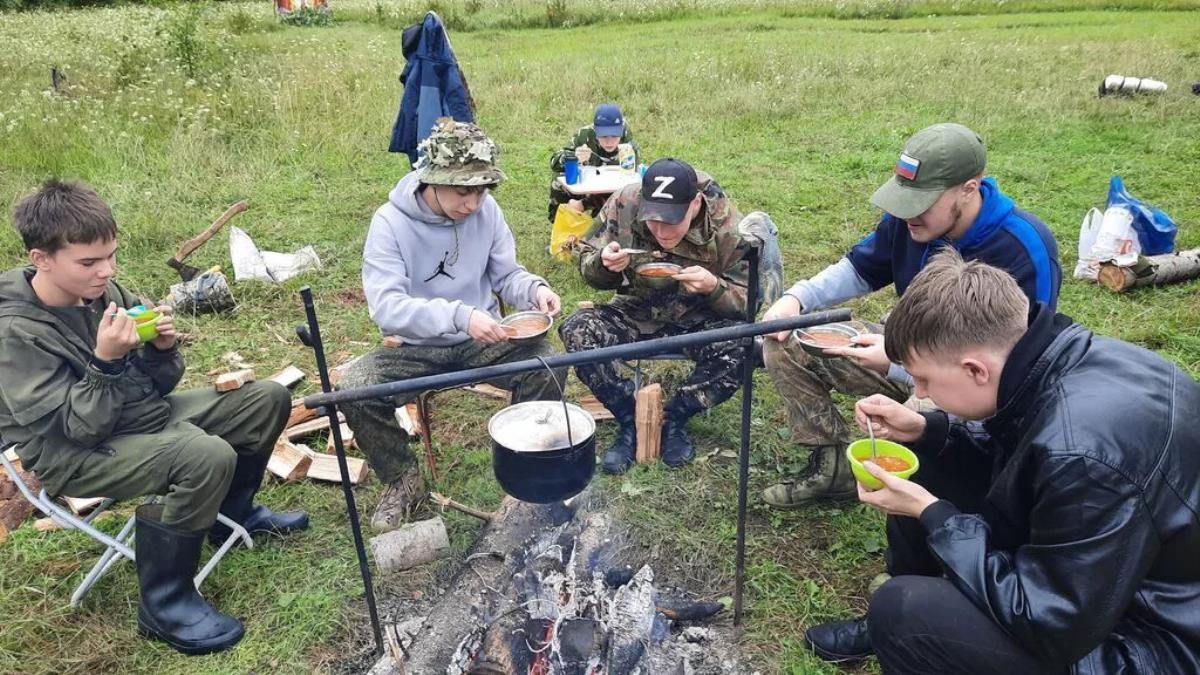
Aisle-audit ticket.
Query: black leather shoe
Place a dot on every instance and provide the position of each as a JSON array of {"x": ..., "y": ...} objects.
[
  {"x": 677, "y": 449},
  {"x": 620, "y": 455},
  {"x": 839, "y": 641}
]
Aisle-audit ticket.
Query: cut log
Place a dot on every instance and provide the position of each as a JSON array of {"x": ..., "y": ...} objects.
[
  {"x": 409, "y": 419},
  {"x": 411, "y": 545},
  {"x": 310, "y": 427},
  {"x": 648, "y": 408},
  {"x": 288, "y": 377},
  {"x": 595, "y": 408},
  {"x": 234, "y": 380},
  {"x": 11, "y": 455},
  {"x": 1154, "y": 270},
  {"x": 46, "y": 525},
  {"x": 325, "y": 467},
  {"x": 338, "y": 372},
  {"x": 299, "y": 413},
  {"x": 347, "y": 439},
  {"x": 392, "y": 342},
  {"x": 289, "y": 462},
  {"x": 82, "y": 505}
]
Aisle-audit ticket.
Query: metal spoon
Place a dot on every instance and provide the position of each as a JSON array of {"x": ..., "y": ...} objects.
[{"x": 871, "y": 433}]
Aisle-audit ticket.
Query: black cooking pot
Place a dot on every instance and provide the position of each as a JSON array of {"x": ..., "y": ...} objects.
[{"x": 531, "y": 455}]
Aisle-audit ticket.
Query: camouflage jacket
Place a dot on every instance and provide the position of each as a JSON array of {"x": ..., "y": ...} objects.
[
  {"x": 587, "y": 136},
  {"x": 711, "y": 242}
]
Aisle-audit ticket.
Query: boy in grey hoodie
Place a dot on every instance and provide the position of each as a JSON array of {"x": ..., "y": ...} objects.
[{"x": 437, "y": 255}]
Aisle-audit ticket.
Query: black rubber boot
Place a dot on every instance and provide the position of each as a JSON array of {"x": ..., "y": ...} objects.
[
  {"x": 171, "y": 609},
  {"x": 239, "y": 506},
  {"x": 677, "y": 449},
  {"x": 620, "y": 455}
]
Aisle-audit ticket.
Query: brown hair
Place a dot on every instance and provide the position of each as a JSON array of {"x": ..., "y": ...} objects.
[
  {"x": 953, "y": 304},
  {"x": 61, "y": 213}
]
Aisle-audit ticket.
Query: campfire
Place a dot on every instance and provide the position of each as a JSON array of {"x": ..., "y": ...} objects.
[{"x": 547, "y": 591}]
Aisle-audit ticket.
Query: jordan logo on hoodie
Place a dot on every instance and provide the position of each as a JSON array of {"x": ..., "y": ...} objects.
[{"x": 441, "y": 269}]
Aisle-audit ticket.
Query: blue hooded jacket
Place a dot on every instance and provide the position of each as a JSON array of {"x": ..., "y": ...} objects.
[
  {"x": 1002, "y": 235},
  {"x": 433, "y": 86}
]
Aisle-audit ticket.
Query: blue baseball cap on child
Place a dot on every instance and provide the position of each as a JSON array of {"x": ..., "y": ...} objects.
[{"x": 608, "y": 120}]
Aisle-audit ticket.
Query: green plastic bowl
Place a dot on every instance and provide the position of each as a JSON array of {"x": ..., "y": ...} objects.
[
  {"x": 859, "y": 450},
  {"x": 146, "y": 328}
]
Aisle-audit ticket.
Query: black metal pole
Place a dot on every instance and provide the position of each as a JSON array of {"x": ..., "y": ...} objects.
[
  {"x": 625, "y": 351},
  {"x": 311, "y": 336},
  {"x": 744, "y": 454}
]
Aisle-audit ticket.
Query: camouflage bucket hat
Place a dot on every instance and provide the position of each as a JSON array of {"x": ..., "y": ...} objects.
[{"x": 458, "y": 153}]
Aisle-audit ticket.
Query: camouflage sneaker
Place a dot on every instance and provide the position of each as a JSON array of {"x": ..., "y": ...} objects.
[
  {"x": 398, "y": 500},
  {"x": 828, "y": 477},
  {"x": 458, "y": 153}
]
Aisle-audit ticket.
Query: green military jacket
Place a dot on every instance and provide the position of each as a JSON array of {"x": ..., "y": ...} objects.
[
  {"x": 56, "y": 407},
  {"x": 711, "y": 242},
  {"x": 600, "y": 157}
]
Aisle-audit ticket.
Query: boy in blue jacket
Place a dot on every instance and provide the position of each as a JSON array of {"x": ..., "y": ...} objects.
[{"x": 937, "y": 197}]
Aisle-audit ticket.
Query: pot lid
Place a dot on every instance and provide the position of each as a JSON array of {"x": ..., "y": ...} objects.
[{"x": 539, "y": 426}]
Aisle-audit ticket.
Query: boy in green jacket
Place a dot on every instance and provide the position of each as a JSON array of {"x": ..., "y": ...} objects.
[
  {"x": 597, "y": 144},
  {"x": 91, "y": 410}
]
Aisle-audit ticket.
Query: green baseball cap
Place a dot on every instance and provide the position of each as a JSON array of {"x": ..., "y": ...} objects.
[
  {"x": 458, "y": 153},
  {"x": 935, "y": 159}
]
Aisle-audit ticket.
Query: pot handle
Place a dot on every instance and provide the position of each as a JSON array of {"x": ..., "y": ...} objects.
[{"x": 562, "y": 395}]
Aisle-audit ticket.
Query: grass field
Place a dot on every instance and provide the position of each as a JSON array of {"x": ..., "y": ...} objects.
[{"x": 797, "y": 109}]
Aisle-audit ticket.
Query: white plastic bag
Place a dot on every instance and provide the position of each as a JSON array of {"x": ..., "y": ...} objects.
[
  {"x": 251, "y": 263},
  {"x": 1114, "y": 240}
]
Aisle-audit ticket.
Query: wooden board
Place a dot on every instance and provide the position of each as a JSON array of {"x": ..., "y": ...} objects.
[
  {"x": 649, "y": 413},
  {"x": 289, "y": 462},
  {"x": 11, "y": 454},
  {"x": 488, "y": 390},
  {"x": 325, "y": 468},
  {"x": 82, "y": 505},
  {"x": 409, "y": 419},
  {"x": 288, "y": 377},
  {"x": 310, "y": 427},
  {"x": 234, "y": 380},
  {"x": 595, "y": 408},
  {"x": 347, "y": 439},
  {"x": 299, "y": 413}
]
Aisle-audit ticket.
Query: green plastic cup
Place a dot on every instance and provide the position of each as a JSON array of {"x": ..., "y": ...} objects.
[
  {"x": 146, "y": 321},
  {"x": 860, "y": 450}
]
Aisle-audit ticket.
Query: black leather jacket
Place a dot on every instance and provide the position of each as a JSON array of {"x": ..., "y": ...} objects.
[{"x": 1088, "y": 548}]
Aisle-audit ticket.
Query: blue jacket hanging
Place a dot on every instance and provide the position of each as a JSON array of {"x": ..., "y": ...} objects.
[{"x": 434, "y": 86}]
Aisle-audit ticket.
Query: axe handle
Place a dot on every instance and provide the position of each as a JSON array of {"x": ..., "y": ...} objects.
[{"x": 196, "y": 242}]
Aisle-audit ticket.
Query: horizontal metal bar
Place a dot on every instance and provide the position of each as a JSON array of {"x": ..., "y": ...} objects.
[{"x": 626, "y": 351}]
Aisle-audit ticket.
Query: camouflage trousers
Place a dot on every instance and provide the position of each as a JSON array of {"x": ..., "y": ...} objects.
[
  {"x": 559, "y": 195},
  {"x": 376, "y": 431},
  {"x": 805, "y": 382},
  {"x": 715, "y": 378}
]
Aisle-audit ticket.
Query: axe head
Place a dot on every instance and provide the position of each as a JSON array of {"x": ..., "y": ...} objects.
[{"x": 186, "y": 271}]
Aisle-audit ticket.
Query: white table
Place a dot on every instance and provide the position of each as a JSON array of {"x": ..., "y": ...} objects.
[{"x": 599, "y": 180}]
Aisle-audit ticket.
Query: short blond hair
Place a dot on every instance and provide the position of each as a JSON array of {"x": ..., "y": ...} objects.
[{"x": 953, "y": 305}]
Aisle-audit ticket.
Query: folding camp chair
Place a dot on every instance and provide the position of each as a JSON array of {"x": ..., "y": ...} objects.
[{"x": 118, "y": 547}]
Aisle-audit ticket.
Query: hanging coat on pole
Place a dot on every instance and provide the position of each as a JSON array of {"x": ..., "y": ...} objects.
[{"x": 434, "y": 86}]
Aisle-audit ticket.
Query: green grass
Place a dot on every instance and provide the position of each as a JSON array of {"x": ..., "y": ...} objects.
[{"x": 798, "y": 109}]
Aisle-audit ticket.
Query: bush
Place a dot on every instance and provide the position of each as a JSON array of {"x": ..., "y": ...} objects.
[{"x": 309, "y": 16}]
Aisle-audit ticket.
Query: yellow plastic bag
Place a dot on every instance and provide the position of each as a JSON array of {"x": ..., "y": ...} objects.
[{"x": 569, "y": 226}]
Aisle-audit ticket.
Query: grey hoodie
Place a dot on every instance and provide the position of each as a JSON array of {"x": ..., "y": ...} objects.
[{"x": 417, "y": 290}]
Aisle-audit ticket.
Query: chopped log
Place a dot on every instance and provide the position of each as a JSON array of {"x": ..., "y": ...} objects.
[
  {"x": 648, "y": 408},
  {"x": 1154, "y": 270},
  {"x": 337, "y": 372},
  {"x": 392, "y": 342},
  {"x": 488, "y": 390},
  {"x": 82, "y": 505},
  {"x": 585, "y": 304},
  {"x": 411, "y": 545},
  {"x": 347, "y": 439},
  {"x": 310, "y": 427},
  {"x": 409, "y": 419},
  {"x": 14, "y": 508},
  {"x": 595, "y": 408},
  {"x": 288, "y": 377},
  {"x": 234, "y": 380},
  {"x": 289, "y": 462},
  {"x": 46, "y": 525},
  {"x": 299, "y": 413},
  {"x": 11, "y": 455},
  {"x": 325, "y": 467}
]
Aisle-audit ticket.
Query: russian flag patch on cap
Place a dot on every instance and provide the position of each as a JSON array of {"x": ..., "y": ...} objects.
[{"x": 907, "y": 167}]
